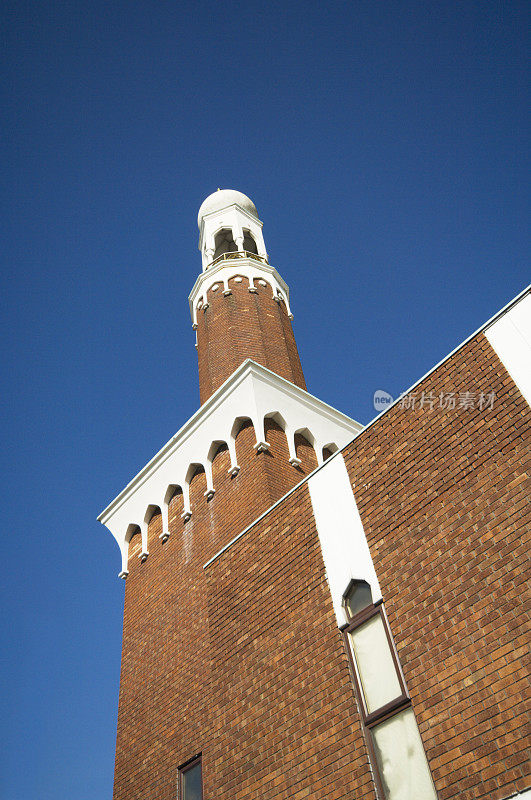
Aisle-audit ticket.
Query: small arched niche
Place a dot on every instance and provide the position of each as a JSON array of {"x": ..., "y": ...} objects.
[
  {"x": 216, "y": 448},
  {"x": 174, "y": 499},
  {"x": 305, "y": 449},
  {"x": 152, "y": 511},
  {"x": 219, "y": 457},
  {"x": 133, "y": 538},
  {"x": 275, "y": 433},
  {"x": 249, "y": 243},
  {"x": 243, "y": 436},
  {"x": 329, "y": 450},
  {"x": 224, "y": 243},
  {"x": 153, "y": 519},
  {"x": 172, "y": 493}
]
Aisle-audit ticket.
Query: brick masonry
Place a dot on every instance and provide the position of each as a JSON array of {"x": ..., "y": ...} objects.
[
  {"x": 244, "y": 325},
  {"x": 243, "y": 660}
]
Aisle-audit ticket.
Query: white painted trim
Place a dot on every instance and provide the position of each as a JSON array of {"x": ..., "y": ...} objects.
[
  {"x": 510, "y": 338},
  {"x": 222, "y": 273},
  {"x": 252, "y": 392},
  {"x": 346, "y": 554},
  {"x": 248, "y": 367}
]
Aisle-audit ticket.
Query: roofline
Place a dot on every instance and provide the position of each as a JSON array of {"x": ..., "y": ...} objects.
[
  {"x": 306, "y": 478},
  {"x": 239, "y": 374},
  {"x": 481, "y": 329}
]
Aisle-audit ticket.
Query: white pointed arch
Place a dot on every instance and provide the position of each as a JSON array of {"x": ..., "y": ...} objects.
[
  {"x": 150, "y": 512},
  {"x": 307, "y": 434},
  {"x": 331, "y": 447},
  {"x": 288, "y": 429},
  {"x": 169, "y": 494},
  {"x": 132, "y": 529},
  {"x": 195, "y": 468}
]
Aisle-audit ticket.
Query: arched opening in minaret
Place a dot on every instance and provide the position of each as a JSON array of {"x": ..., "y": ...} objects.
[
  {"x": 224, "y": 243},
  {"x": 249, "y": 243}
]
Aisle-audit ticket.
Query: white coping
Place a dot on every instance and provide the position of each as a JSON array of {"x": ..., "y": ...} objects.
[
  {"x": 252, "y": 392},
  {"x": 344, "y": 546},
  {"x": 510, "y": 337},
  {"x": 499, "y": 315},
  {"x": 223, "y": 271}
]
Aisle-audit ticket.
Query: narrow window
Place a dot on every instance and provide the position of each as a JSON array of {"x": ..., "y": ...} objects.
[
  {"x": 191, "y": 780},
  {"x": 391, "y": 732}
]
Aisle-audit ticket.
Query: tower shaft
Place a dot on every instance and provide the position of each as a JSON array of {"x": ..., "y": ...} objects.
[{"x": 245, "y": 321}]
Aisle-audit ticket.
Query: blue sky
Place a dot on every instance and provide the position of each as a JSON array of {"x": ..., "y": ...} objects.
[{"x": 384, "y": 146}]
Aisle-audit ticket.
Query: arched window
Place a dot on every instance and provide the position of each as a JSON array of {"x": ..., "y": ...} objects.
[
  {"x": 249, "y": 243},
  {"x": 224, "y": 243},
  {"x": 357, "y": 598}
]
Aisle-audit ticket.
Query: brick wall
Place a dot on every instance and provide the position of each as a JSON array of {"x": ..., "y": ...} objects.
[
  {"x": 240, "y": 326},
  {"x": 443, "y": 497},
  {"x": 165, "y": 703}
]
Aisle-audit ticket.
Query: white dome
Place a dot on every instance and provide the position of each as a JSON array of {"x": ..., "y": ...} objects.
[{"x": 223, "y": 198}]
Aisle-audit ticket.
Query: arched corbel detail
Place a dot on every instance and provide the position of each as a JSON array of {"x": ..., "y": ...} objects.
[
  {"x": 165, "y": 508},
  {"x": 231, "y": 443},
  {"x": 277, "y": 417},
  {"x": 148, "y": 516},
  {"x": 144, "y": 532},
  {"x": 132, "y": 528},
  {"x": 261, "y": 446},
  {"x": 190, "y": 472},
  {"x": 210, "y": 491},
  {"x": 331, "y": 447},
  {"x": 236, "y": 427},
  {"x": 310, "y": 438},
  {"x": 213, "y": 449}
]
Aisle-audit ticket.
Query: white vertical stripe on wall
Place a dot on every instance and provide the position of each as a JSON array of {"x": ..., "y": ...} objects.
[
  {"x": 344, "y": 546},
  {"x": 510, "y": 337}
]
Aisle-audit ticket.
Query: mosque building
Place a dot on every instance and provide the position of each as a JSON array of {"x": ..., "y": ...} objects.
[{"x": 316, "y": 609}]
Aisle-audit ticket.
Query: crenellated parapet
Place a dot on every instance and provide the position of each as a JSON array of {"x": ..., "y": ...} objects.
[{"x": 253, "y": 394}]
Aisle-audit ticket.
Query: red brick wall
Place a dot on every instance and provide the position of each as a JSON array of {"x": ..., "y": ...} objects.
[
  {"x": 240, "y": 326},
  {"x": 285, "y": 722},
  {"x": 165, "y": 702},
  {"x": 443, "y": 497}
]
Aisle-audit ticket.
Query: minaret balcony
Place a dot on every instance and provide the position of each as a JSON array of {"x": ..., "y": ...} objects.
[{"x": 237, "y": 255}]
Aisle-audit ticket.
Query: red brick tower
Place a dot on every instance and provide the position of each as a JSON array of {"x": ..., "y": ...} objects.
[{"x": 239, "y": 304}]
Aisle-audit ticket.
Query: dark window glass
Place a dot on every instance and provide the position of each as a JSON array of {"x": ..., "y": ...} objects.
[
  {"x": 357, "y": 598},
  {"x": 192, "y": 782}
]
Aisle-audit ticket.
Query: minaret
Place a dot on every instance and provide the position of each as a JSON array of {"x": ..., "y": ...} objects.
[{"x": 239, "y": 303}]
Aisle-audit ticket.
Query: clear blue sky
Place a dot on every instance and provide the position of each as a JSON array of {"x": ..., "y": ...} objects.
[{"x": 384, "y": 146}]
